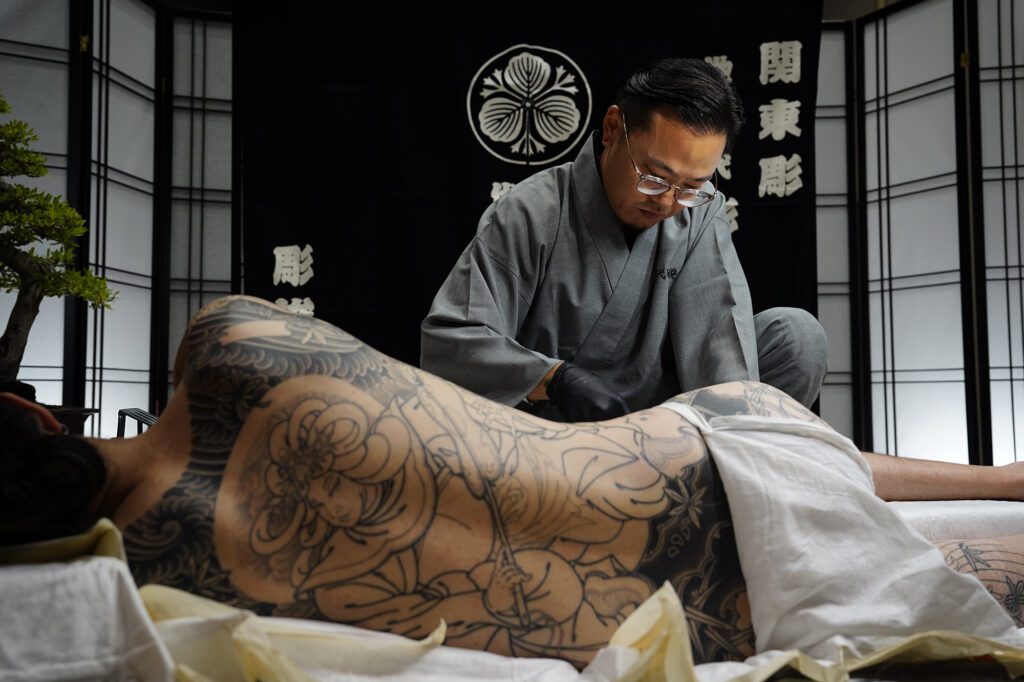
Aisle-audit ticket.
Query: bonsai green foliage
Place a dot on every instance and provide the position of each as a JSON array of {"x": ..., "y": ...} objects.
[{"x": 37, "y": 244}]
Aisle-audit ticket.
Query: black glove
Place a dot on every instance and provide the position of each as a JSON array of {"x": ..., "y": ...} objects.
[{"x": 582, "y": 396}]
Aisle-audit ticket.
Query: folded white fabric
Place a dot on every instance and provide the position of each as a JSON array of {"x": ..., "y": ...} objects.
[
  {"x": 77, "y": 620},
  {"x": 954, "y": 519},
  {"x": 830, "y": 568}
]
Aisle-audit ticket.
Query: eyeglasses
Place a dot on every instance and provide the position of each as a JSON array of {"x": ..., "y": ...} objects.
[{"x": 652, "y": 185}]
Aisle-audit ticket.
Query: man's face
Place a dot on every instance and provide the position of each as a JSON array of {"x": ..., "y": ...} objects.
[{"x": 667, "y": 149}]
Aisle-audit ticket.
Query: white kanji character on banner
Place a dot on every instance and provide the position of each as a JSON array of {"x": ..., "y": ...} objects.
[
  {"x": 723, "y": 63},
  {"x": 723, "y": 167},
  {"x": 292, "y": 266},
  {"x": 302, "y": 306},
  {"x": 780, "y": 62},
  {"x": 780, "y": 176},
  {"x": 732, "y": 212},
  {"x": 498, "y": 189},
  {"x": 778, "y": 118}
]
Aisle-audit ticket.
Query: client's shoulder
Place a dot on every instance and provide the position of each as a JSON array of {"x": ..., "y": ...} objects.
[{"x": 237, "y": 308}]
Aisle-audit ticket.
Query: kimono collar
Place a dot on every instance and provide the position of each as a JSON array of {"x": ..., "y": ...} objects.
[{"x": 601, "y": 222}]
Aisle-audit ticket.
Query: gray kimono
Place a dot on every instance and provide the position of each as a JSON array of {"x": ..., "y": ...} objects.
[{"x": 549, "y": 277}]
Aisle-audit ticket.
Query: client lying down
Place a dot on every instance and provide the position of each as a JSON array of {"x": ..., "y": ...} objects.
[{"x": 299, "y": 472}]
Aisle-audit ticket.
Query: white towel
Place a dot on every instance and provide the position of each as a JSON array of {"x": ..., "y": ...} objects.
[{"x": 77, "y": 620}]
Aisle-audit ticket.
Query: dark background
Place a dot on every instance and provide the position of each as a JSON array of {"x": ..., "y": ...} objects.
[{"x": 355, "y": 139}]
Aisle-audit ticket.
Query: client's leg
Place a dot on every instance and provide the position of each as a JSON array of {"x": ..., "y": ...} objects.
[{"x": 998, "y": 563}]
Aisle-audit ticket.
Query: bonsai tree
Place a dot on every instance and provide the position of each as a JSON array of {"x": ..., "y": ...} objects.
[{"x": 37, "y": 246}]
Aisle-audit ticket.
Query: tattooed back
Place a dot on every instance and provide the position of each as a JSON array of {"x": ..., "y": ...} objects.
[{"x": 326, "y": 480}]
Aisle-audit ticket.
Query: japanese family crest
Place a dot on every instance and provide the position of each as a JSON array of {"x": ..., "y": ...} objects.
[{"x": 529, "y": 105}]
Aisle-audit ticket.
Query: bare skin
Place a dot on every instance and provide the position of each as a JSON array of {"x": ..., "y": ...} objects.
[{"x": 298, "y": 472}]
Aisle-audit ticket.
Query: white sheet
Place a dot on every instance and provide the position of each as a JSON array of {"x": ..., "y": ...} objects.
[
  {"x": 80, "y": 620},
  {"x": 830, "y": 568},
  {"x": 969, "y": 519}
]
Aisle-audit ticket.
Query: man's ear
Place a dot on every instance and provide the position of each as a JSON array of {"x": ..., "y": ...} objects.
[
  {"x": 611, "y": 124},
  {"x": 46, "y": 419}
]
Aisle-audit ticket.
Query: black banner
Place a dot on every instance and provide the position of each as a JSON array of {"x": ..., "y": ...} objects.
[{"x": 372, "y": 140}]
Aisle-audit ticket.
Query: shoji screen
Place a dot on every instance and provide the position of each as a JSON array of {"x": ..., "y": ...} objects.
[
  {"x": 1001, "y": 75},
  {"x": 121, "y": 237},
  {"x": 34, "y": 68},
  {"x": 200, "y": 264},
  {"x": 833, "y": 167},
  {"x": 911, "y": 180}
]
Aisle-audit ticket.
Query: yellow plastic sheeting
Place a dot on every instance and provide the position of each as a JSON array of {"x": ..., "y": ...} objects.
[{"x": 103, "y": 539}]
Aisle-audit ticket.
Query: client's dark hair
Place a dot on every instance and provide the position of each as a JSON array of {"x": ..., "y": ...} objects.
[
  {"x": 48, "y": 482},
  {"x": 698, "y": 93}
]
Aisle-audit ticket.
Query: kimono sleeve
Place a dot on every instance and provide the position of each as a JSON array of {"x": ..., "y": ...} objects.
[{"x": 468, "y": 337}]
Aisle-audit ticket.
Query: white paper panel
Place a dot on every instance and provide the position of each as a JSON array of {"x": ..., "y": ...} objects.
[
  {"x": 988, "y": 25},
  {"x": 54, "y": 182},
  {"x": 218, "y": 60},
  {"x": 215, "y": 137},
  {"x": 832, "y": 69},
  {"x": 874, "y": 134},
  {"x": 1004, "y": 327},
  {"x": 98, "y": 129},
  {"x": 94, "y": 222},
  {"x": 126, "y": 330},
  {"x": 932, "y": 421},
  {"x": 1004, "y": 218},
  {"x": 131, "y": 133},
  {"x": 180, "y": 313},
  {"x": 834, "y": 315},
  {"x": 1007, "y": 420},
  {"x": 922, "y": 137},
  {"x": 927, "y": 328},
  {"x": 833, "y": 244},
  {"x": 837, "y": 408},
  {"x": 48, "y": 392},
  {"x": 877, "y": 242},
  {"x": 218, "y": 151},
  {"x": 38, "y": 94},
  {"x": 925, "y": 235},
  {"x": 920, "y": 43},
  {"x": 990, "y": 20},
  {"x": 994, "y": 153},
  {"x": 183, "y": 41},
  {"x": 216, "y": 242},
  {"x": 133, "y": 39},
  {"x": 129, "y": 242},
  {"x": 46, "y": 339},
  {"x": 871, "y": 49},
  {"x": 189, "y": 76},
  {"x": 41, "y": 22},
  {"x": 881, "y": 419},
  {"x": 878, "y": 323},
  {"x": 181, "y": 156},
  {"x": 831, "y": 168}
]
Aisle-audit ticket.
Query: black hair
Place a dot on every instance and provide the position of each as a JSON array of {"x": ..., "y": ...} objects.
[
  {"x": 49, "y": 483},
  {"x": 697, "y": 92}
]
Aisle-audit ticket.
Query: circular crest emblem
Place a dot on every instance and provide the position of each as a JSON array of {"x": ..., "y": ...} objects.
[{"x": 529, "y": 105}]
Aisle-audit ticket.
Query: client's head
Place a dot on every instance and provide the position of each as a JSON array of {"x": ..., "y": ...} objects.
[{"x": 50, "y": 483}]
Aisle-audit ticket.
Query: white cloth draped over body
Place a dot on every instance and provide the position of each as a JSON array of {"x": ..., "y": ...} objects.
[{"x": 831, "y": 569}]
